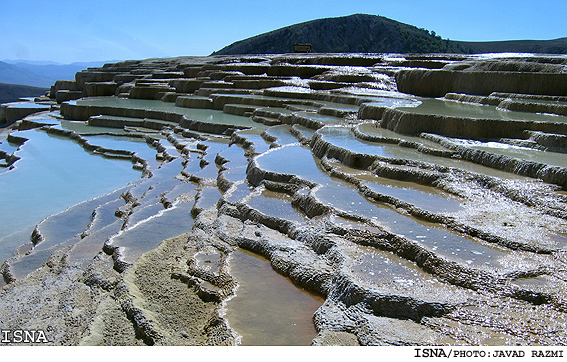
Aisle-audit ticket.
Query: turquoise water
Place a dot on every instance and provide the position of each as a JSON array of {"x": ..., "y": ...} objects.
[{"x": 53, "y": 174}]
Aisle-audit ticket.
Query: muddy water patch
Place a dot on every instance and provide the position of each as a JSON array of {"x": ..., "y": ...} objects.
[
  {"x": 210, "y": 261},
  {"x": 268, "y": 309}
]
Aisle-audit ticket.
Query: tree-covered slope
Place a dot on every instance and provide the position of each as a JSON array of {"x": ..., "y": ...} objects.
[
  {"x": 362, "y": 33},
  {"x": 357, "y": 33}
]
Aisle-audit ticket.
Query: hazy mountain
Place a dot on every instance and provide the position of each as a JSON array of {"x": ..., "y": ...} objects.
[
  {"x": 361, "y": 33},
  {"x": 41, "y": 74},
  {"x": 13, "y": 92},
  {"x": 13, "y": 74},
  {"x": 357, "y": 33}
]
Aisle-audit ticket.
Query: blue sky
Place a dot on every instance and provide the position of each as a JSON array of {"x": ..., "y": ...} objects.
[{"x": 71, "y": 31}]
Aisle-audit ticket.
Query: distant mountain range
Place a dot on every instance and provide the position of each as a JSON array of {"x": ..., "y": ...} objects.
[
  {"x": 362, "y": 33},
  {"x": 40, "y": 74},
  {"x": 31, "y": 78}
]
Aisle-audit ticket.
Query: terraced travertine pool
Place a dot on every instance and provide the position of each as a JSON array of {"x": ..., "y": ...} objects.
[
  {"x": 314, "y": 230},
  {"x": 52, "y": 175},
  {"x": 460, "y": 109}
]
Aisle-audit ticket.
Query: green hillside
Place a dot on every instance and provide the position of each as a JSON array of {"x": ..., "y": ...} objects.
[{"x": 362, "y": 33}]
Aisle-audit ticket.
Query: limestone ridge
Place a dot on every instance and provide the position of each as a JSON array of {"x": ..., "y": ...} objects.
[
  {"x": 420, "y": 221},
  {"x": 361, "y": 33}
]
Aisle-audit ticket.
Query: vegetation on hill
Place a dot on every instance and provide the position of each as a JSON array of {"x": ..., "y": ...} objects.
[
  {"x": 357, "y": 33},
  {"x": 362, "y": 33}
]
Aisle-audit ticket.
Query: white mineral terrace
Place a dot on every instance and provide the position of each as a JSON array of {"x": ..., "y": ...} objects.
[{"x": 289, "y": 200}]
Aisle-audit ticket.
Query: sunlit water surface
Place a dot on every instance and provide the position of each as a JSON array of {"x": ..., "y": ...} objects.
[{"x": 53, "y": 174}]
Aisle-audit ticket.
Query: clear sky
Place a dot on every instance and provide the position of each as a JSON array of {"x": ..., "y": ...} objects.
[{"x": 87, "y": 30}]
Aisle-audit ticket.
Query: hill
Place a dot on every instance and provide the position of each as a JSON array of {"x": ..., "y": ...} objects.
[
  {"x": 13, "y": 92},
  {"x": 362, "y": 33},
  {"x": 357, "y": 33}
]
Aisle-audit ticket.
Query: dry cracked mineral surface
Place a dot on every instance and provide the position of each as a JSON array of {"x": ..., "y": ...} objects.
[{"x": 290, "y": 200}]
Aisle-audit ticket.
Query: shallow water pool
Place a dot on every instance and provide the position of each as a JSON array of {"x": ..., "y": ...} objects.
[
  {"x": 53, "y": 174},
  {"x": 268, "y": 309}
]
